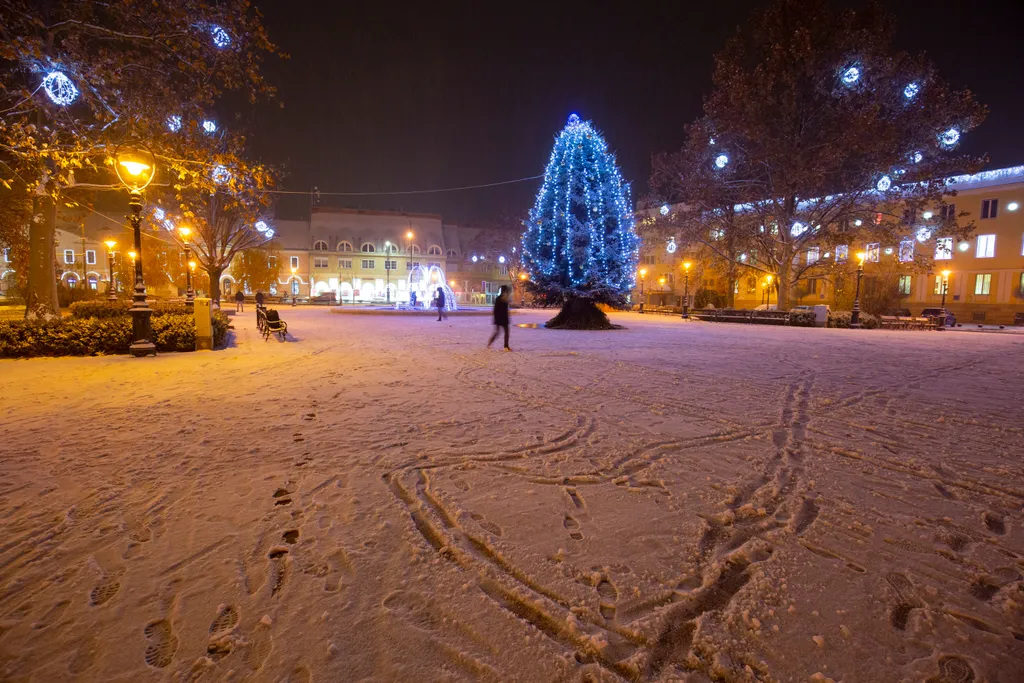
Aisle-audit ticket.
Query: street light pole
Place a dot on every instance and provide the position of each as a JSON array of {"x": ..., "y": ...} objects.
[
  {"x": 190, "y": 295},
  {"x": 387, "y": 269},
  {"x": 643, "y": 277},
  {"x": 768, "y": 291},
  {"x": 111, "y": 290},
  {"x": 945, "y": 288},
  {"x": 855, "y": 316},
  {"x": 136, "y": 167},
  {"x": 686, "y": 290}
]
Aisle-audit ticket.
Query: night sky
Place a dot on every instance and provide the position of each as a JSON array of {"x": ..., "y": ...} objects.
[{"x": 380, "y": 98}]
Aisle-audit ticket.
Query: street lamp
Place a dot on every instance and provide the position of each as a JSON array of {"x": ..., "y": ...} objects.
[
  {"x": 387, "y": 268},
  {"x": 135, "y": 166},
  {"x": 111, "y": 290},
  {"x": 855, "y": 316},
  {"x": 686, "y": 290},
  {"x": 190, "y": 295},
  {"x": 945, "y": 288},
  {"x": 768, "y": 290},
  {"x": 643, "y": 276}
]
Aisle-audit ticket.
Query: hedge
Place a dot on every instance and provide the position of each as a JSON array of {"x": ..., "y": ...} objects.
[
  {"x": 112, "y": 309},
  {"x": 78, "y": 336},
  {"x": 802, "y": 318},
  {"x": 842, "y": 319}
]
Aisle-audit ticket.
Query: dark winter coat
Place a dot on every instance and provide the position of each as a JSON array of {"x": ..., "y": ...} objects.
[
  {"x": 239, "y": 296},
  {"x": 259, "y": 298},
  {"x": 440, "y": 299},
  {"x": 501, "y": 311}
]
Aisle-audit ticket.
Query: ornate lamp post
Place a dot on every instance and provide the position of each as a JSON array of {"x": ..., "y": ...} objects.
[
  {"x": 136, "y": 166},
  {"x": 111, "y": 289},
  {"x": 768, "y": 290},
  {"x": 945, "y": 288},
  {"x": 855, "y": 316},
  {"x": 190, "y": 295},
  {"x": 643, "y": 277},
  {"x": 686, "y": 290}
]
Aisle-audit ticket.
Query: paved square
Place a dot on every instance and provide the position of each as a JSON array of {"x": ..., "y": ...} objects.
[{"x": 383, "y": 499}]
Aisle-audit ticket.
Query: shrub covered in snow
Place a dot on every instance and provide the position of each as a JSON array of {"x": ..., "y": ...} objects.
[
  {"x": 842, "y": 319},
  {"x": 802, "y": 318},
  {"x": 91, "y": 336},
  {"x": 111, "y": 309}
]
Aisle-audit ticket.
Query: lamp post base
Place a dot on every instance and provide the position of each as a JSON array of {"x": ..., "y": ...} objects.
[{"x": 142, "y": 332}]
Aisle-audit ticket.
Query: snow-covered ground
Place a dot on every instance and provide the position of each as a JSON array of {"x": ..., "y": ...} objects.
[{"x": 383, "y": 499}]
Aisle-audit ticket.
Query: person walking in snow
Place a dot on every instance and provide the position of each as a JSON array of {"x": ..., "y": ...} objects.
[
  {"x": 501, "y": 316},
  {"x": 239, "y": 302},
  {"x": 440, "y": 304},
  {"x": 259, "y": 299}
]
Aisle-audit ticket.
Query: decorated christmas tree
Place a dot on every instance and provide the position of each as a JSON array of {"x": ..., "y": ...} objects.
[{"x": 580, "y": 245}]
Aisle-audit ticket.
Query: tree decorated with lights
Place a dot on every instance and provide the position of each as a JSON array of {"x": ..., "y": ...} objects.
[
  {"x": 819, "y": 135},
  {"x": 580, "y": 246},
  {"x": 80, "y": 79}
]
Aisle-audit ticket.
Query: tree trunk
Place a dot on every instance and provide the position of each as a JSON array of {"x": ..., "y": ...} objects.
[
  {"x": 214, "y": 275},
  {"x": 41, "y": 297},
  {"x": 785, "y": 287},
  {"x": 580, "y": 314}
]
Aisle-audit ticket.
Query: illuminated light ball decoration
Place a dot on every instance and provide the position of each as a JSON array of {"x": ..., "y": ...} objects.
[
  {"x": 721, "y": 161},
  {"x": 711, "y": 141},
  {"x": 917, "y": 157},
  {"x": 220, "y": 174},
  {"x": 923, "y": 234},
  {"x": 664, "y": 210},
  {"x": 221, "y": 38},
  {"x": 582, "y": 238},
  {"x": 851, "y": 76},
  {"x": 671, "y": 246},
  {"x": 797, "y": 229},
  {"x": 261, "y": 226},
  {"x": 884, "y": 183},
  {"x": 888, "y": 251},
  {"x": 501, "y": 259},
  {"x": 1012, "y": 206},
  {"x": 950, "y": 137},
  {"x": 159, "y": 214},
  {"x": 210, "y": 127},
  {"x": 475, "y": 259},
  {"x": 964, "y": 246},
  {"x": 59, "y": 88},
  {"x": 910, "y": 92},
  {"x": 174, "y": 123},
  {"x": 927, "y": 215}
]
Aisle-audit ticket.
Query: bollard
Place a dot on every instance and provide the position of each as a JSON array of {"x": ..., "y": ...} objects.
[{"x": 204, "y": 325}]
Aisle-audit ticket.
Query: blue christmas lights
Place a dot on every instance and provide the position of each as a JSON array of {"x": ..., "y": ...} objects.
[
  {"x": 220, "y": 174},
  {"x": 910, "y": 92},
  {"x": 917, "y": 157},
  {"x": 950, "y": 137},
  {"x": 221, "y": 38},
  {"x": 851, "y": 76},
  {"x": 581, "y": 232},
  {"x": 671, "y": 246},
  {"x": 59, "y": 88},
  {"x": 923, "y": 234},
  {"x": 209, "y": 127},
  {"x": 884, "y": 183},
  {"x": 721, "y": 161},
  {"x": 664, "y": 209},
  {"x": 174, "y": 123}
]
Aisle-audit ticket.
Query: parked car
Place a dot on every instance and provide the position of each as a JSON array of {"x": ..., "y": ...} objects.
[{"x": 940, "y": 313}]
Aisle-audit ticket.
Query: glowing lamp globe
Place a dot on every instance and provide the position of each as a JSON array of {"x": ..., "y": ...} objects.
[
  {"x": 135, "y": 166},
  {"x": 185, "y": 231},
  {"x": 110, "y": 244}
]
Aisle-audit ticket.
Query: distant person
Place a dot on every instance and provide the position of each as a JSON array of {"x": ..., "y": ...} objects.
[
  {"x": 239, "y": 302},
  {"x": 500, "y": 316},
  {"x": 412, "y": 299},
  {"x": 259, "y": 299},
  {"x": 440, "y": 304}
]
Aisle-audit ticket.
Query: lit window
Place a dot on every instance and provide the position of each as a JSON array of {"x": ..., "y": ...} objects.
[
  {"x": 842, "y": 252},
  {"x": 345, "y": 246},
  {"x": 90, "y": 257},
  {"x": 982, "y": 284},
  {"x": 906, "y": 250},
  {"x": 989, "y": 208},
  {"x": 434, "y": 250},
  {"x": 93, "y": 282},
  {"x": 938, "y": 285},
  {"x": 873, "y": 253},
  {"x": 69, "y": 256},
  {"x": 320, "y": 245},
  {"x": 295, "y": 261},
  {"x": 943, "y": 248},
  {"x": 367, "y": 248},
  {"x": 345, "y": 263},
  {"x": 813, "y": 254},
  {"x": 368, "y": 263},
  {"x": 986, "y": 246},
  {"x": 905, "y": 282}
]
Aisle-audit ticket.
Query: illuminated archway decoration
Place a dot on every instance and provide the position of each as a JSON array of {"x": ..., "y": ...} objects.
[{"x": 425, "y": 281}]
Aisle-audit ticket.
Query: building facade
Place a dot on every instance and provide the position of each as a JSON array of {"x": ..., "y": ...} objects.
[
  {"x": 985, "y": 281},
  {"x": 359, "y": 256}
]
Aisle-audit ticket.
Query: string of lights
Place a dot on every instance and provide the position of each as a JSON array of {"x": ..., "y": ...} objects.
[{"x": 396, "y": 192}]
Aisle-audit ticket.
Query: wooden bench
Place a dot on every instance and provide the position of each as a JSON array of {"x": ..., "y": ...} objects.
[
  {"x": 269, "y": 322},
  {"x": 896, "y": 322}
]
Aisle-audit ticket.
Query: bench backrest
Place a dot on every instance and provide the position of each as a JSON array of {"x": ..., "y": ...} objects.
[{"x": 272, "y": 316}]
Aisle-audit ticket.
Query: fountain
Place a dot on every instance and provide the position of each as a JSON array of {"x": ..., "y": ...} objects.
[{"x": 424, "y": 283}]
